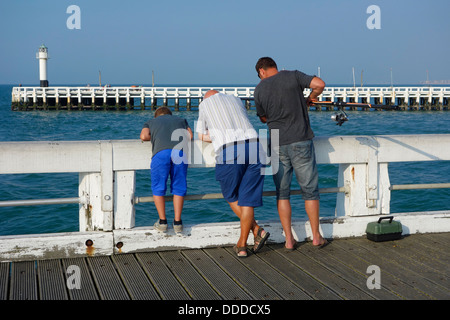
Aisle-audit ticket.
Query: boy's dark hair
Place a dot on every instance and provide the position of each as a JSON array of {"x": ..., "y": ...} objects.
[
  {"x": 161, "y": 111},
  {"x": 265, "y": 62}
]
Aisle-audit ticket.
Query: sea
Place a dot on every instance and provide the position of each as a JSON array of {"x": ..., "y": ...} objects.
[{"x": 65, "y": 125}]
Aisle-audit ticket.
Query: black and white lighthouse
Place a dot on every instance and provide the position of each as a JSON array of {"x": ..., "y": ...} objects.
[{"x": 42, "y": 55}]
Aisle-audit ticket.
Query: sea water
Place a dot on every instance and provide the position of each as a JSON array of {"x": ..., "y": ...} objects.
[{"x": 66, "y": 125}]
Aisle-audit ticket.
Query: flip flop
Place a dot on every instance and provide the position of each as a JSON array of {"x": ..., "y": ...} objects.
[
  {"x": 323, "y": 245},
  {"x": 259, "y": 240},
  {"x": 239, "y": 250},
  {"x": 293, "y": 248}
]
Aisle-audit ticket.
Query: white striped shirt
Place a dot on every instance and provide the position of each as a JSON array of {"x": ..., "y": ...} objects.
[{"x": 225, "y": 118}]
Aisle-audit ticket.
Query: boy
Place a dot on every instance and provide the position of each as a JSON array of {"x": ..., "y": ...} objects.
[{"x": 164, "y": 151}]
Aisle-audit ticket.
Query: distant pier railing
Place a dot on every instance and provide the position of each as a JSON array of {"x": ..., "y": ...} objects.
[
  {"x": 107, "y": 192},
  {"x": 141, "y": 98}
]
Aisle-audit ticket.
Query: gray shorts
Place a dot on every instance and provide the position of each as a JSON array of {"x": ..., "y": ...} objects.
[{"x": 299, "y": 157}]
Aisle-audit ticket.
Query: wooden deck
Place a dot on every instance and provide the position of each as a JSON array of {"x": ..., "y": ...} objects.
[{"x": 414, "y": 267}]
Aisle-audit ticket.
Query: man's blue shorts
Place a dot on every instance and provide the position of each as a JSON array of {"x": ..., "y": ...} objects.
[
  {"x": 239, "y": 174},
  {"x": 162, "y": 166}
]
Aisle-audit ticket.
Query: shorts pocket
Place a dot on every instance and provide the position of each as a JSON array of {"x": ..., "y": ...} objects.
[{"x": 303, "y": 149}]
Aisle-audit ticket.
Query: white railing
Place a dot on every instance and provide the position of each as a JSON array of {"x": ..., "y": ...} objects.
[{"x": 106, "y": 194}]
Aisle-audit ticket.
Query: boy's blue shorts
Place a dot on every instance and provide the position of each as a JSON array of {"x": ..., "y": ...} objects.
[
  {"x": 240, "y": 181},
  {"x": 162, "y": 166}
]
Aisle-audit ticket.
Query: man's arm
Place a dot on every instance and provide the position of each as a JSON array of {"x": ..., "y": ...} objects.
[
  {"x": 204, "y": 137},
  {"x": 191, "y": 135},
  {"x": 145, "y": 134},
  {"x": 317, "y": 85}
]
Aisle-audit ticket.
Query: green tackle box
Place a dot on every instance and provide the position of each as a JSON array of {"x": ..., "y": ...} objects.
[{"x": 383, "y": 230}]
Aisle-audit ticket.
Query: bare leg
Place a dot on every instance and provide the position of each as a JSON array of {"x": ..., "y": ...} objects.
[
  {"x": 178, "y": 202},
  {"x": 237, "y": 211},
  {"x": 247, "y": 219},
  {"x": 246, "y": 216},
  {"x": 160, "y": 204},
  {"x": 312, "y": 209},
  {"x": 285, "y": 213}
]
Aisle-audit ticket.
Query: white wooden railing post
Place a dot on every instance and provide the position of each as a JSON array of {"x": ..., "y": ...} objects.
[
  {"x": 367, "y": 182},
  {"x": 124, "y": 189},
  {"x": 90, "y": 214},
  {"x": 97, "y": 187},
  {"x": 364, "y": 196}
]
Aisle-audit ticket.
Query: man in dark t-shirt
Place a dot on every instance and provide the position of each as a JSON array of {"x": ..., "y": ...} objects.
[
  {"x": 164, "y": 131},
  {"x": 280, "y": 103}
]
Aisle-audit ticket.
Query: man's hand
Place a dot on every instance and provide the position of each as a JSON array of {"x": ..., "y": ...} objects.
[
  {"x": 204, "y": 137},
  {"x": 145, "y": 134},
  {"x": 310, "y": 101}
]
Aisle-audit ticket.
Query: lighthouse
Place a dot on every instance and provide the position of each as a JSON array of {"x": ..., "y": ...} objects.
[{"x": 42, "y": 55}]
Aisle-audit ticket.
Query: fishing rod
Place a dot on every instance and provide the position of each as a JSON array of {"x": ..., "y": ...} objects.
[
  {"x": 341, "y": 117},
  {"x": 355, "y": 104}
]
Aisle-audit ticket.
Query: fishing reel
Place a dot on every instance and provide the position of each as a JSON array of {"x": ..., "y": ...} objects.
[{"x": 340, "y": 117}]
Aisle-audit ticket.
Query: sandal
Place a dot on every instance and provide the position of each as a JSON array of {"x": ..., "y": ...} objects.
[
  {"x": 259, "y": 240},
  {"x": 241, "y": 252}
]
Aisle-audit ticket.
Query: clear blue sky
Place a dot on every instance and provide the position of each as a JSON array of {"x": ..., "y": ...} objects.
[{"x": 219, "y": 42}]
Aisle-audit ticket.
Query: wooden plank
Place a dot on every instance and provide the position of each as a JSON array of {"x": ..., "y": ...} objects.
[
  {"x": 311, "y": 286},
  {"x": 192, "y": 281},
  {"x": 442, "y": 238},
  {"x": 386, "y": 267},
  {"x": 23, "y": 281},
  {"x": 431, "y": 263},
  {"x": 216, "y": 277},
  {"x": 282, "y": 285},
  {"x": 136, "y": 282},
  {"x": 432, "y": 249},
  {"x": 108, "y": 282},
  {"x": 4, "y": 280},
  {"x": 247, "y": 279},
  {"x": 86, "y": 290},
  {"x": 389, "y": 253},
  {"x": 51, "y": 283},
  {"x": 342, "y": 287},
  {"x": 429, "y": 279},
  {"x": 360, "y": 262},
  {"x": 347, "y": 267},
  {"x": 163, "y": 280},
  {"x": 434, "y": 240},
  {"x": 410, "y": 269}
]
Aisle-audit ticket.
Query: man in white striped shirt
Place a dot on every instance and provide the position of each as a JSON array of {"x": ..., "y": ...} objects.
[{"x": 223, "y": 121}]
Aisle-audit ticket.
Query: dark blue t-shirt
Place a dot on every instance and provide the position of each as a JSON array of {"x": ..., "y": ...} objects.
[{"x": 280, "y": 99}]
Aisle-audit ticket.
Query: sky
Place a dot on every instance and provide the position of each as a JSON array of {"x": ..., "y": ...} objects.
[{"x": 219, "y": 42}]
